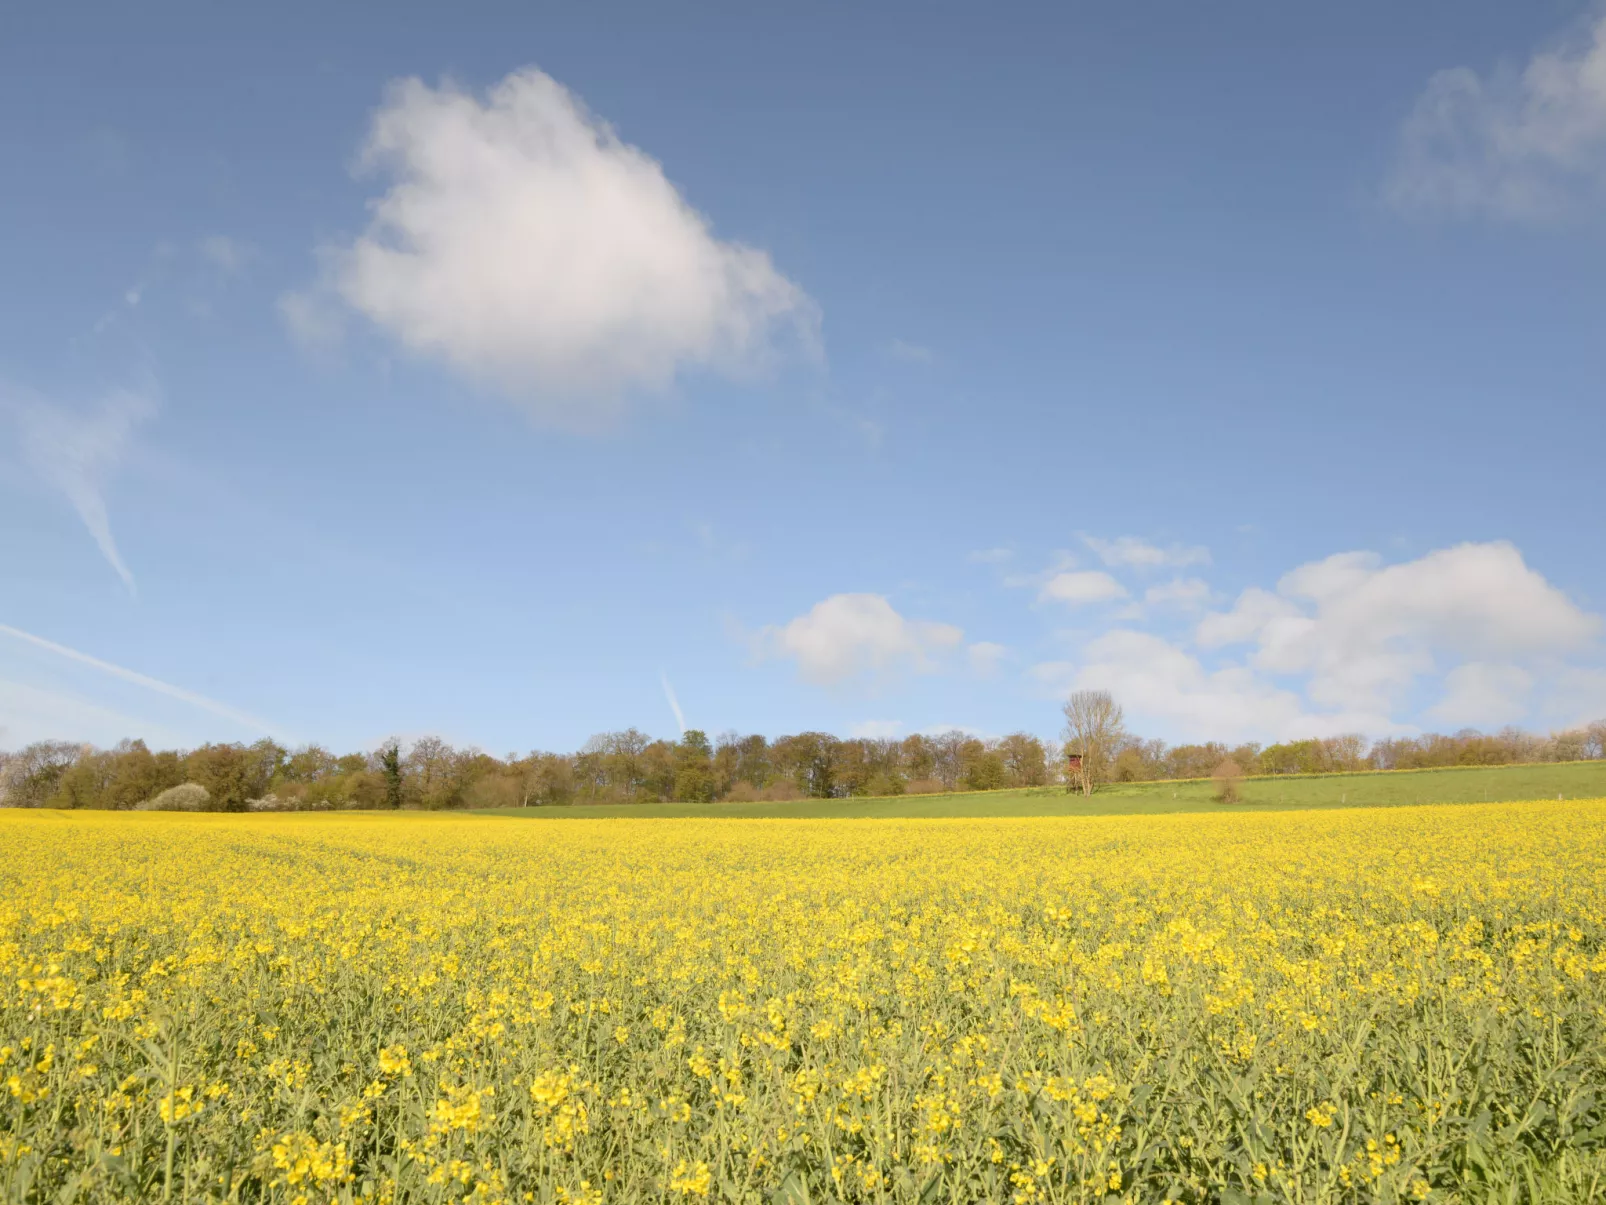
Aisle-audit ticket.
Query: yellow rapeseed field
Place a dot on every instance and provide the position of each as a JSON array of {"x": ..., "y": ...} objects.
[{"x": 1395, "y": 1004}]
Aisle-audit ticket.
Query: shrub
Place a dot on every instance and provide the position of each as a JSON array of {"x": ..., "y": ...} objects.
[
  {"x": 886, "y": 784},
  {"x": 925, "y": 786},
  {"x": 1227, "y": 778},
  {"x": 189, "y": 797}
]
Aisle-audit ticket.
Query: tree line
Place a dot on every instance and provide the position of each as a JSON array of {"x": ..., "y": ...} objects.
[
  {"x": 632, "y": 767},
  {"x": 1099, "y": 749}
]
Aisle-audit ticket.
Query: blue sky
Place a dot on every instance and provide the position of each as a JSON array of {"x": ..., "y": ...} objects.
[{"x": 480, "y": 371}]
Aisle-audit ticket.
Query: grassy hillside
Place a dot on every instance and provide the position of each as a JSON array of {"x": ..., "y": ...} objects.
[{"x": 1572, "y": 780}]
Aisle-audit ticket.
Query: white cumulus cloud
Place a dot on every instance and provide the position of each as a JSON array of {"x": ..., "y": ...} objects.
[
  {"x": 856, "y": 636},
  {"x": 521, "y": 241},
  {"x": 1362, "y": 631},
  {"x": 1479, "y": 694},
  {"x": 1081, "y": 586},
  {"x": 1348, "y": 643},
  {"x": 1159, "y": 681},
  {"x": 1523, "y": 145}
]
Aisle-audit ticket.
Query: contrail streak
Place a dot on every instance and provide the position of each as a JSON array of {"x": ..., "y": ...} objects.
[
  {"x": 674, "y": 703},
  {"x": 162, "y": 688}
]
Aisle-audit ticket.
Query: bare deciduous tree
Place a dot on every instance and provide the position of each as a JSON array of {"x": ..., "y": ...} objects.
[{"x": 1094, "y": 729}]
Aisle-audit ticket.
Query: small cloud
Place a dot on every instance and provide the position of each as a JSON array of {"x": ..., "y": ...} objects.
[
  {"x": 876, "y": 730},
  {"x": 1059, "y": 562},
  {"x": 909, "y": 353},
  {"x": 131, "y": 297},
  {"x": 715, "y": 544},
  {"x": 1079, "y": 587},
  {"x": 854, "y": 636},
  {"x": 984, "y": 657},
  {"x": 1129, "y": 551},
  {"x": 227, "y": 255},
  {"x": 1054, "y": 677},
  {"x": 990, "y": 556}
]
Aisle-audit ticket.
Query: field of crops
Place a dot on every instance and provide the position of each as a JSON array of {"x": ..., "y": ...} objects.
[{"x": 1395, "y": 1004}]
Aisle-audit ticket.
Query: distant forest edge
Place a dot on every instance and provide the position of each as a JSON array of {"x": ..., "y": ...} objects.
[{"x": 630, "y": 767}]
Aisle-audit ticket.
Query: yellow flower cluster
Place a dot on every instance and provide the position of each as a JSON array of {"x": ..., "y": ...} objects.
[{"x": 1383, "y": 1005}]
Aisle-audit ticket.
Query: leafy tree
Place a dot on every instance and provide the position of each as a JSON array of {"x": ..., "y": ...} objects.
[
  {"x": 32, "y": 774},
  {"x": 754, "y": 765},
  {"x": 808, "y": 759},
  {"x": 854, "y": 765},
  {"x": 1129, "y": 766},
  {"x": 694, "y": 768},
  {"x": 84, "y": 783},
  {"x": 390, "y": 765},
  {"x": 727, "y": 763},
  {"x": 983, "y": 768},
  {"x": 138, "y": 774},
  {"x": 918, "y": 761},
  {"x": 947, "y": 757},
  {"x": 657, "y": 771},
  {"x": 231, "y": 774},
  {"x": 434, "y": 774},
  {"x": 1025, "y": 760}
]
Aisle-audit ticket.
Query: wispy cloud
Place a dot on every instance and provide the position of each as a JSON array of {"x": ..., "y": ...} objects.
[
  {"x": 990, "y": 556},
  {"x": 985, "y": 655},
  {"x": 228, "y": 255},
  {"x": 244, "y": 719},
  {"x": 76, "y": 453},
  {"x": 1183, "y": 593},
  {"x": 1525, "y": 146},
  {"x": 910, "y": 353},
  {"x": 1131, "y": 552}
]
